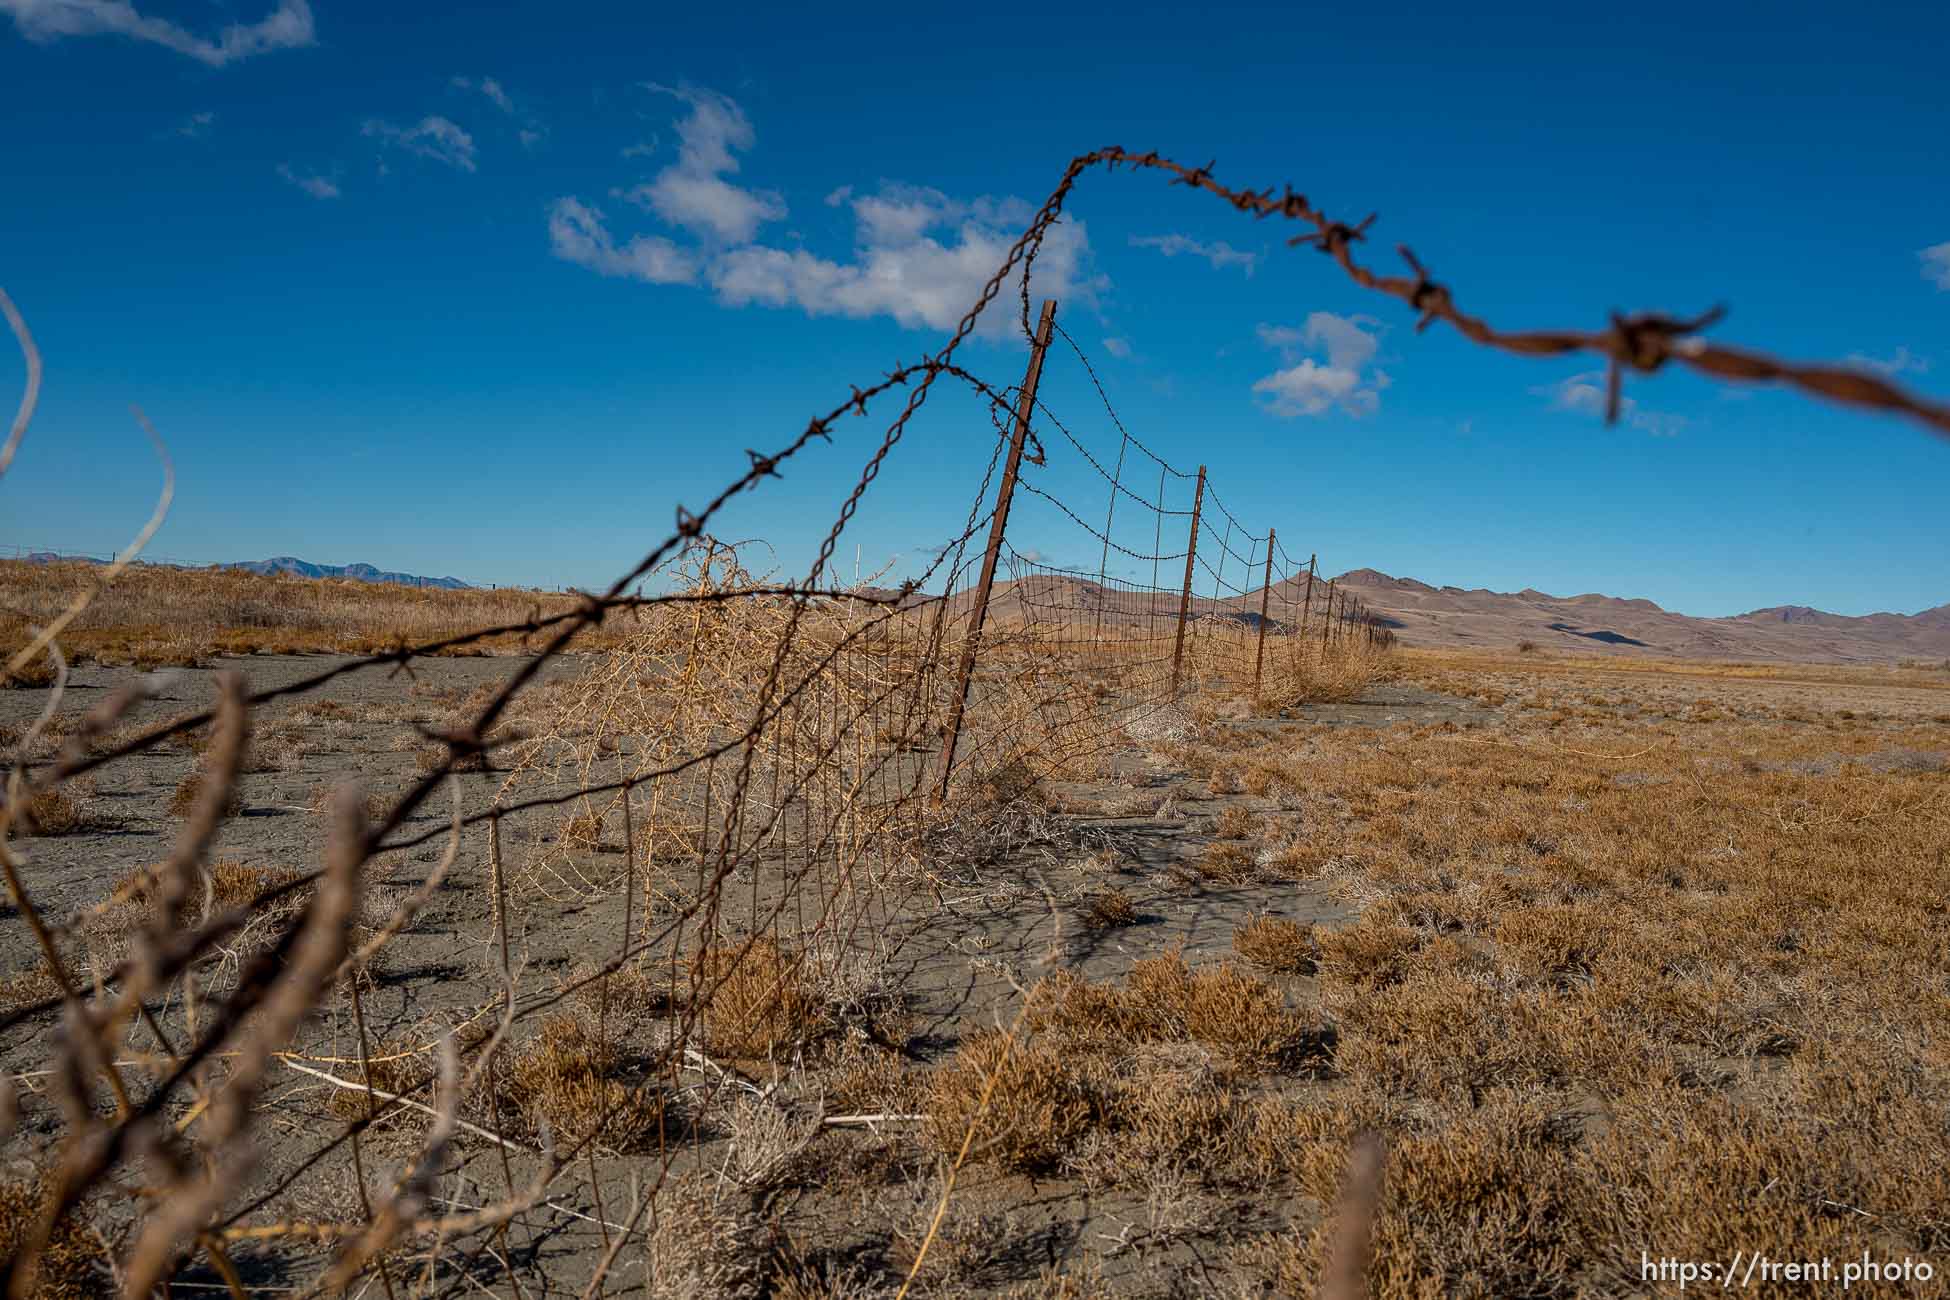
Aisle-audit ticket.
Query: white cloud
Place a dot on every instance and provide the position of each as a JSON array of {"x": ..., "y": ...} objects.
[
  {"x": 1220, "y": 254},
  {"x": 1585, "y": 394},
  {"x": 642, "y": 148},
  {"x": 1119, "y": 348},
  {"x": 1902, "y": 360},
  {"x": 576, "y": 233},
  {"x": 1936, "y": 264},
  {"x": 289, "y": 26},
  {"x": 491, "y": 88},
  {"x": 531, "y": 138},
  {"x": 1306, "y": 387},
  {"x": 433, "y": 137},
  {"x": 693, "y": 192},
  {"x": 319, "y": 187},
  {"x": 919, "y": 256}
]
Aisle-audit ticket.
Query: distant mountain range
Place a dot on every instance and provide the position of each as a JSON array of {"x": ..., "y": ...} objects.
[
  {"x": 1422, "y": 615},
  {"x": 358, "y": 572},
  {"x": 283, "y": 564}
]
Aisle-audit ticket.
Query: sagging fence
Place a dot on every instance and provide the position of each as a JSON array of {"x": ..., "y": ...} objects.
[{"x": 782, "y": 766}]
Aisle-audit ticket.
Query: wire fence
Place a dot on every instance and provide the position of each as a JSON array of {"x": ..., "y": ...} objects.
[{"x": 770, "y": 774}]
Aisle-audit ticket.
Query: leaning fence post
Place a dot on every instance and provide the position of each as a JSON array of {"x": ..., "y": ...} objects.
[
  {"x": 1265, "y": 591},
  {"x": 1024, "y": 405},
  {"x": 1185, "y": 597},
  {"x": 1327, "y": 623},
  {"x": 1306, "y": 606}
]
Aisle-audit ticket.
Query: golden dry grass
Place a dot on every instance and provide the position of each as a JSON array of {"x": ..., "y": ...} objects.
[{"x": 156, "y": 617}]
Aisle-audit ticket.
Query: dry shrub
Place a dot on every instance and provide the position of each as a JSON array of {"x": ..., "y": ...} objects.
[
  {"x": 236, "y": 884},
  {"x": 1478, "y": 1208},
  {"x": 770, "y": 1144},
  {"x": 324, "y": 798},
  {"x": 564, "y": 1079},
  {"x": 56, "y": 812},
  {"x": 1235, "y": 823},
  {"x": 395, "y": 1068},
  {"x": 760, "y": 999},
  {"x": 1368, "y": 954},
  {"x": 1036, "y": 1109},
  {"x": 1165, "y": 1001},
  {"x": 190, "y": 790},
  {"x": 75, "y": 1263},
  {"x": 1274, "y": 944},
  {"x": 871, "y": 1080},
  {"x": 1227, "y": 862},
  {"x": 583, "y": 832},
  {"x": 32, "y": 675},
  {"x": 1245, "y": 1017},
  {"x": 26, "y": 987},
  {"x": 631, "y": 994},
  {"x": 1108, "y": 909}
]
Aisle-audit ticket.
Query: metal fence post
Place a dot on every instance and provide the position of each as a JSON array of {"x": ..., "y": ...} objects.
[
  {"x": 1265, "y": 592},
  {"x": 1306, "y": 606},
  {"x": 1327, "y": 623},
  {"x": 1004, "y": 494},
  {"x": 1185, "y": 597}
]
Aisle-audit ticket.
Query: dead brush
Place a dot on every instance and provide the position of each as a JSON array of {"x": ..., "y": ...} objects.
[
  {"x": 1036, "y": 1109},
  {"x": 565, "y": 1080},
  {"x": 57, "y": 812},
  {"x": 1227, "y": 862},
  {"x": 373, "y": 803},
  {"x": 35, "y": 674},
  {"x": 1165, "y": 1001},
  {"x": 1107, "y": 909},
  {"x": 1277, "y": 945},
  {"x": 190, "y": 788},
  {"x": 704, "y": 1240},
  {"x": 630, "y": 995},
  {"x": 27, "y": 986},
  {"x": 75, "y": 1264},
  {"x": 583, "y": 832},
  {"x": 1236, "y": 823},
  {"x": 758, "y": 999}
]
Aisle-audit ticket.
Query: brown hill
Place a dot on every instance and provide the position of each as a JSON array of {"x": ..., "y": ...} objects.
[{"x": 1450, "y": 617}]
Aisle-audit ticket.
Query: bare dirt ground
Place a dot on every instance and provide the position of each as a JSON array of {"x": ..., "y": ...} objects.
[{"x": 1615, "y": 961}]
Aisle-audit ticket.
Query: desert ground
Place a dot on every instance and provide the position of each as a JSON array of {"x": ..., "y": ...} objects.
[{"x": 1621, "y": 963}]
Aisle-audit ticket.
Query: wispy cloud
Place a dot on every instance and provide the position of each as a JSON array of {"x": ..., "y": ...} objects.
[
  {"x": 641, "y": 149},
  {"x": 1305, "y": 386},
  {"x": 319, "y": 187},
  {"x": 432, "y": 137},
  {"x": 919, "y": 256},
  {"x": 1585, "y": 394},
  {"x": 489, "y": 87},
  {"x": 289, "y": 26},
  {"x": 576, "y": 233},
  {"x": 693, "y": 192},
  {"x": 1219, "y": 254},
  {"x": 1899, "y": 362},
  {"x": 195, "y": 126},
  {"x": 1119, "y": 348},
  {"x": 1936, "y": 264}
]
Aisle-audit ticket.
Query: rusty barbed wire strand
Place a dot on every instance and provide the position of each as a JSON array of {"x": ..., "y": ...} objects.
[{"x": 1643, "y": 342}]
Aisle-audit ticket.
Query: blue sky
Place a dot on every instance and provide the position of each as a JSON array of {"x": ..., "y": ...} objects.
[{"x": 486, "y": 290}]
